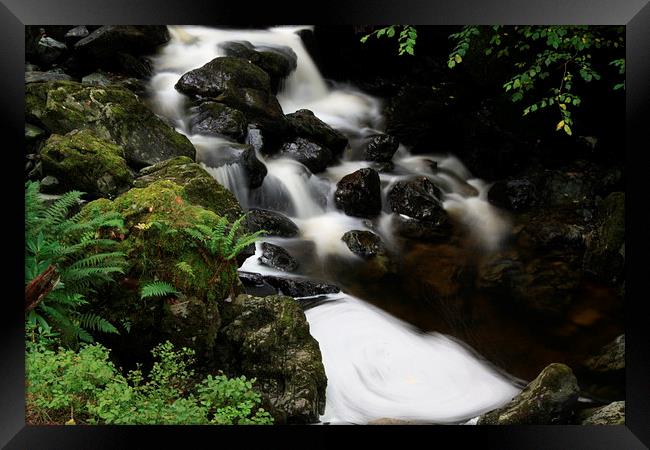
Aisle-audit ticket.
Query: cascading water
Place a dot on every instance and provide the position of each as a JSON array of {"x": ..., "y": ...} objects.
[{"x": 377, "y": 366}]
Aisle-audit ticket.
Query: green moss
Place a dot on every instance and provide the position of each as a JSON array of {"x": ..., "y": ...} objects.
[
  {"x": 198, "y": 186},
  {"x": 84, "y": 162},
  {"x": 111, "y": 112}
]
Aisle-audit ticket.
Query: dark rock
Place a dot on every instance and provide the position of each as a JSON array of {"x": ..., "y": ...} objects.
[
  {"x": 130, "y": 39},
  {"x": 610, "y": 358},
  {"x": 254, "y": 284},
  {"x": 514, "y": 194},
  {"x": 303, "y": 123},
  {"x": 420, "y": 201},
  {"x": 261, "y": 108},
  {"x": 96, "y": 78},
  {"x": 242, "y": 155},
  {"x": 548, "y": 399},
  {"x": 274, "y": 223},
  {"x": 218, "y": 120},
  {"x": 50, "y": 185},
  {"x": 612, "y": 414},
  {"x": 359, "y": 194},
  {"x": 312, "y": 155},
  {"x": 278, "y": 62},
  {"x": 51, "y": 75},
  {"x": 298, "y": 287},
  {"x": 76, "y": 34},
  {"x": 33, "y": 133},
  {"x": 268, "y": 338},
  {"x": 605, "y": 254},
  {"x": 50, "y": 50},
  {"x": 222, "y": 74},
  {"x": 553, "y": 229},
  {"x": 112, "y": 113},
  {"x": 381, "y": 148},
  {"x": 569, "y": 188},
  {"x": 277, "y": 257},
  {"x": 255, "y": 138},
  {"x": 365, "y": 244}
]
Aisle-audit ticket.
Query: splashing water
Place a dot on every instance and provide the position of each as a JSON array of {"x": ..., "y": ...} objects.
[{"x": 376, "y": 365}]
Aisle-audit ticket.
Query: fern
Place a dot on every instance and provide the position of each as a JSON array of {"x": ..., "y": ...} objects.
[
  {"x": 186, "y": 269},
  {"x": 82, "y": 259},
  {"x": 157, "y": 289}
]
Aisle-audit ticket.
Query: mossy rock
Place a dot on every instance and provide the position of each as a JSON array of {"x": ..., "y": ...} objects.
[
  {"x": 82, "y": 161},
  {"x": 111, "y": 112},
  {"x": 198, "y": 185},
  {"x": 157, "y": 248},
  {"x": 268, "y": 338}
]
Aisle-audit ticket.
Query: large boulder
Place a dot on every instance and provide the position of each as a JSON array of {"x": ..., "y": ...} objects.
[
  {"x": 278, "y": 61},
  {"x": 548, "y": 399},
  {"x": 268, "y": 338},
  {"x": 112, "y": 113},
  {"x": 198, "y": 186},
  {"x": 157, "y": 248},
  {"x": 81, "y": 161},
  {"x": 216, "y": 119},
  {"x": 605, "y": 254},
  {"x": 315, "y": 157},
  {"x": 274, "y": 223},
  {"x": 612, "y": 414},
  {"x": 35, "y": 76},
  {"x": 223, "y": 74},
  {"x": 381, "y": 148},
  {"x": 303, "y": 123},
  {"x": 278, "y": 258},
  {"x": 300, "y": 287},
  {"x": 359, "y": 194}
]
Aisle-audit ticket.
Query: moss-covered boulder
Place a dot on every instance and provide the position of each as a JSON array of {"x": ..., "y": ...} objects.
[
  {"x": 157, "y": 248},
  {"x": 111, "y": 112},
  {"x": 612, "y": 414},
  {"x": 198, "y": 186},
  {"x": 82, "y": 161},
  {"x": 268, "y": 338},
  {"x": 548, "y": 399}
]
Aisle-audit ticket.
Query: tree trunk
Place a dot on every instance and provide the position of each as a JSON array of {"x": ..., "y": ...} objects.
[{"x": 39, "y": 287}]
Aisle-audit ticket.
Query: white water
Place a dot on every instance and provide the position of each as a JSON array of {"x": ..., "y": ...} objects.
[{"x": 377, "y": 366}]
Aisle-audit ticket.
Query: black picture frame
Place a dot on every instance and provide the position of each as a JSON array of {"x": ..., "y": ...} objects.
[{"x": 635, "y": 14}]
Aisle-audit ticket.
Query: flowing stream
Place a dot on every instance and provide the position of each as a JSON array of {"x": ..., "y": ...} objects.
[{"x": 377, "y": 365}]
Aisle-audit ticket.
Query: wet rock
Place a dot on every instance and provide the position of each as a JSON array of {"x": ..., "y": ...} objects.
[
  {"x": 81, "y": 161},
  {"x": 217, "y": 119},
  {"x": 222, "y": 74},
  {"x": 278, "y": 258},
  {"x": 278, "y": 62},
  {"x": 254, "y": 284},
  {"x": 198, "y": 186},
  {"x": 555, "y": 230},
  {"x": 111, "y": 112},
  {"x": 365, "y": 244},
  {"x": 268, "y": 338},
  {"x": 298, "y": 287},
  {"x": 514, "y": 194},
  {"x": 33, "y": 133},
  {"x": 242, "y": 155},
  {"x": 569, "y": 188},
  {"x": 381, "y": 148},
  {"x": 612, "y": 414},
  {"x": 50, "y": 185},
  {"x": 255, "y": 139},
  {"x": 96, "y": 78},
  {"x": 418, "y": 198},
  {"x": 359, "y": 194},
  {"x": 312, "y": 155},
  {"x": 274, "y": 223},
  {"x": 605, "y": 254},
  {"x": 75, "y": 34},
  {"x": 303, "y": 123},
  {"x": 51, "y": 75},
  {"x": 610, "y": 358},
  {"x": 548, "y": 399}
]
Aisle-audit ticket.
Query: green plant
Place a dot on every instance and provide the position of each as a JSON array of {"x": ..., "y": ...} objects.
[
  {"x": 548, "y": 58},
  {"x": 407, "y": 37},
  {"x": 65, "y": 260},
  {"x": 65, "y": 386},
  {"x": 157, "y": 289}
]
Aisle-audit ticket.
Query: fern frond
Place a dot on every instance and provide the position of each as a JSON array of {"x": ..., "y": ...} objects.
[
  {"x": 57, "y": 213},
  {"x": 94, "y": 322},
  {"x": 157, "y": 289},
  {"x": 185, "y": 268},
  {"x": 84, "y": 272},
  {"x": 226, "y": 246},
  {"x": 97, "y": 260}
]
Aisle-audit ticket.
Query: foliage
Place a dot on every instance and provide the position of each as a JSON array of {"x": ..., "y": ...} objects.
[
  {"x": 65, "y": 386},
  {"x": 407, "y": 37},
  {"x": 157, "y": 289},
  {"x": 563, "y": 55},
  {"x": 79, "y": 253}
]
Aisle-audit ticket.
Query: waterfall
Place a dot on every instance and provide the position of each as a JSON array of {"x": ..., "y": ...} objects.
[{"x": 377, "y": 366}]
